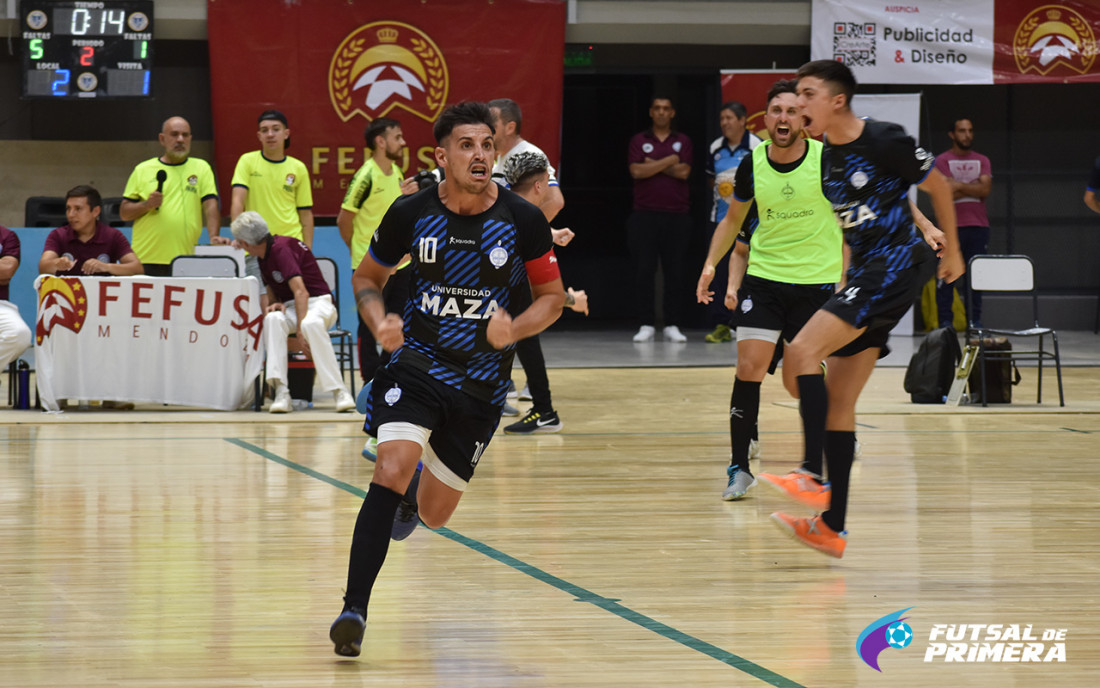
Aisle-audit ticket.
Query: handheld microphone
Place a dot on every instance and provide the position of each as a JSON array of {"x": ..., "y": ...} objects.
[{"x": 161, "y": 177}]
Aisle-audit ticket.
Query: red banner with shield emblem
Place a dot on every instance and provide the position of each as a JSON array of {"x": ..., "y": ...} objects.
[
  {"x": 750, "y": 88},
  {"x": 1047, "y": 42},
  {"x": 333, "y": 67}
]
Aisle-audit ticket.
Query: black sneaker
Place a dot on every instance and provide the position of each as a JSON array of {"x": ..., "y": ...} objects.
[
  {"x": 407, "y": 518},
  {"x": 534, "y": 422},
  {"x": 346, "y": 633}
]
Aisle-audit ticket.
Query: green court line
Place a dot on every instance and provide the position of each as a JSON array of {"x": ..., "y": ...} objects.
[{"x": 580, "y": 594}]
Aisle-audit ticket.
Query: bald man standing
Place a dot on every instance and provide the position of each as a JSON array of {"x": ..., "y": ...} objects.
[{"x": 168, "y": 198}]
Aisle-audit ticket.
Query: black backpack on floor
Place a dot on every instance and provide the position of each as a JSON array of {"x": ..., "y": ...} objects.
[{"x": 932, "y": 368}]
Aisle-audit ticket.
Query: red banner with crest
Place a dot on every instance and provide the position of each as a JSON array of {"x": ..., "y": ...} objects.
[
  {"x": 1046, "y": 42},
  {"x": 333, "y": 67},
  {"x": 750, "y": 88}
]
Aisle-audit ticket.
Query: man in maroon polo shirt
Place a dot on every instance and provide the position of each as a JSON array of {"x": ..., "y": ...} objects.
[
  {"x": 660, "y": 226},
  {"x": 299, "y": 301},
  {"x": 87, "y": 246}
]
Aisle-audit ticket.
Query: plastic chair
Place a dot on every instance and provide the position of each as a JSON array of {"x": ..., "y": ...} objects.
[
  {"x": 111, "y": 212},
  {"x": 204, "y": 266},
  {"x": 44, "y": 211},
  {"x": 345, "y": 351},
  {"x": 1011, "y": 274}
]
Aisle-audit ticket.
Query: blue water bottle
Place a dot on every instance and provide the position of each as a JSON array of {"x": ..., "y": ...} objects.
[{"x": 23, "y": 382}]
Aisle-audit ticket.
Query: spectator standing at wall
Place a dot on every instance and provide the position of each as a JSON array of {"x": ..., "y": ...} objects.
[
  {"x": 274, "y": 184},
  {"x": 15, "y": 336},
  {"x": 168, "y": 198},
  {"x": 971, "y": 179},
  {"x": 87, "y": 246},
  {"x": 726, "y": 153},
  {"x": 659, "y": 228}
]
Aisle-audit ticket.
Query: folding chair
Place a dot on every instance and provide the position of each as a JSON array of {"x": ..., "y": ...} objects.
[
  {"x": 44, "y": 211},
  {"x": 1011, "y": 274},
  {"x": 112, "y": 212},
  {"x": 345, "y": 351},
  {"x": 204, "y": 266}
]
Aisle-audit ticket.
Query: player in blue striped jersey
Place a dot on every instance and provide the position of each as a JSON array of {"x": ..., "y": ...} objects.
[
  {"x": 472, "y": 244},
  {"x": 867, "y": 170}
]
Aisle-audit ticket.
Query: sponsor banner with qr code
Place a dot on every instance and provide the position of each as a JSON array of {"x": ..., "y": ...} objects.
[{"x": 913, "y": 42}]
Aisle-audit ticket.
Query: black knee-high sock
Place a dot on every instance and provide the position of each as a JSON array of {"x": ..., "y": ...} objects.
[
  {"x": 744, "y": 410},
  {"x": 813, "y": 408},
  {"x": 370, "y": 542},
  {"x": 839, "y": 449}
]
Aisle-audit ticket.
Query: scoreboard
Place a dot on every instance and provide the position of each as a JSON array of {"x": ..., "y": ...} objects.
[{"x": 87, "y": 49}]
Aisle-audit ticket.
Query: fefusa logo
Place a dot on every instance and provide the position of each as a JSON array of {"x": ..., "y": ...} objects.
[
  {"x": 1054, "y": 36},
  {"x": 383, "y": 65},
  {"x": 61, "y": 302}
]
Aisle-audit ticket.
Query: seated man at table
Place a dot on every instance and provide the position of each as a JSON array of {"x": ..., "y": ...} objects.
[
  {"x": 87, "y": 246},
  {"x": 15, "y": 336},
  {"x": 300, "y": 301}
]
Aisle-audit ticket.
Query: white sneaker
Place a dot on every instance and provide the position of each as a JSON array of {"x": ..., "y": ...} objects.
[
  {"x": 282, "y": 402},
  {"x": 673, "y": 334},
  {"x": 645, "y": 334},
  {"x": 344, "y": 402},
  {"x": 754, "y": 449}
]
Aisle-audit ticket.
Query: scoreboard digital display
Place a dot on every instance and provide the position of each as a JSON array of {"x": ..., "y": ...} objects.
[{"x": 87, "y": 49}]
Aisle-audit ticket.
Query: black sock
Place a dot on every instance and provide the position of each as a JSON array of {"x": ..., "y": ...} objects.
[
  {"x": 369, "y": 543},
  {"x": 840, "y": 447},
  {"x": 744, "y": 410},
  {"x": 813, "y": 408}
]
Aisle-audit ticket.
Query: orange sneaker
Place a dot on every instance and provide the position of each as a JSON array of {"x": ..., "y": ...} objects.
[
  {"x": 813, "y": 532},
  {"x": 800, "y": 487}
]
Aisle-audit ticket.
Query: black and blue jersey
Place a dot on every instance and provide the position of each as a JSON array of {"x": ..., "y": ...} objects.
[
  {"x": 464, "y": 269},
  {"x": 867, "y": 181}
]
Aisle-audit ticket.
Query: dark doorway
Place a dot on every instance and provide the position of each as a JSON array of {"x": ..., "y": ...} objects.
[{"x": 600, "y": 113}]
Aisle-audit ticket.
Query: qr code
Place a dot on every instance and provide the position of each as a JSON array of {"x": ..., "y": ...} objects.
[{"x": 854, "y": 43}]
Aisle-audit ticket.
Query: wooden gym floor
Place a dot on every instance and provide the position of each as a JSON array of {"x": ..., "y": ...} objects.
[{"x": 187, "y": 548}]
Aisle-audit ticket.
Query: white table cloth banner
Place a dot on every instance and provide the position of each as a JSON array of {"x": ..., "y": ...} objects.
[{"x": 186, "y": 341}]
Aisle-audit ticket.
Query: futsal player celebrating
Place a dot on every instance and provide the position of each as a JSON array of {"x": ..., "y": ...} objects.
[
  {"x": 867, "y": 170},
  {"x": 794, "y": 262},
  {"x": 472, "y": 245}
]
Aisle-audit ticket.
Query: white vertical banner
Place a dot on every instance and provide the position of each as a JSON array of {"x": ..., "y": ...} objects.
[
  {"x": 903, "y": 109},
  {"x": 908, "y": 42}
]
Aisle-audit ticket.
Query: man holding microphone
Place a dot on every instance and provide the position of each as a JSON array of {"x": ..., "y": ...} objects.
[{"x": 168, "y": 198}]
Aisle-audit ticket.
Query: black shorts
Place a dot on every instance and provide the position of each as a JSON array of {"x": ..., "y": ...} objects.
[
  {"x": 461, "y": 426},
  {"x": 763, "y": 304},
  {"x": 877, "y": 299}
]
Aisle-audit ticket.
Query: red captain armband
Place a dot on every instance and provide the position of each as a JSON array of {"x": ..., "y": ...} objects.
[{"x": 543, "y": 269}]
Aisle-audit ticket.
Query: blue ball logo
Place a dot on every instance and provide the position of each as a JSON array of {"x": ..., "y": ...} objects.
[{"x": 899, "y": 635}]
